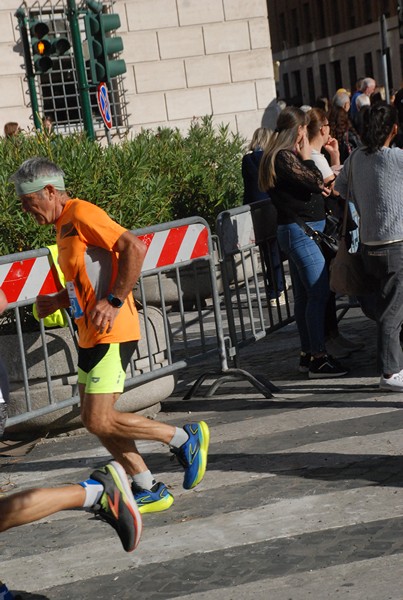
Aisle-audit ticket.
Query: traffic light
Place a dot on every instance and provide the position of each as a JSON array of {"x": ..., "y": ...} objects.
[
  {"x": 102, "y": 48},
  {"x": 44, "y": 46}
]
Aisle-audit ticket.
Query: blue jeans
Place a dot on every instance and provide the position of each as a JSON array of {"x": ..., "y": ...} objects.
[
  {"x": 385, "y": 264},
  {"x": 310, "y": 283},
  {"x": 274, "y": 271}
]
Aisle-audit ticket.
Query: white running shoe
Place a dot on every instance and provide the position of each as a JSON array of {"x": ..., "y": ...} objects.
[
  {"x": 280, "y": 300},
  {"x": 393, "y": 383}
]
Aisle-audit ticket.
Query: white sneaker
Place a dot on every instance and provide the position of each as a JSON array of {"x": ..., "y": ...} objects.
[
  {"x": 280, "y": 300},
  {"x": 393, "y": 383}
]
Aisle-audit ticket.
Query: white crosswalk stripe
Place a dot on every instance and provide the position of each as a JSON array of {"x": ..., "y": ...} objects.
[{"x": 256, "y": 499}]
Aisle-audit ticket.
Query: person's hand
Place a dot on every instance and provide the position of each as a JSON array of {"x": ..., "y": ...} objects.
[
  {"x": 3, "y": 301},
  {"x": 303, "y": 149},
  {"x": 326, "y": 191},
  {"x": 332, "y": 147},
  {"x": 103, "y": 316},
  {"x": 47, "y": 305}
]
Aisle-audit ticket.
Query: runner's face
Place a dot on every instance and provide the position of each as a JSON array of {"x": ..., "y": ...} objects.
[{"x": 39, "y": 205}]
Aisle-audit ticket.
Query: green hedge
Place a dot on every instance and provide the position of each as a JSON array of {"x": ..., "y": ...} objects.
[{"x": 153, "y": 178}]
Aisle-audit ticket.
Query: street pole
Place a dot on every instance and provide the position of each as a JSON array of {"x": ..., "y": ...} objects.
[
  {"x": 83, "y": 87},
  {"x": 21, "y": 17},
  {"x": 384, "y": 47}
]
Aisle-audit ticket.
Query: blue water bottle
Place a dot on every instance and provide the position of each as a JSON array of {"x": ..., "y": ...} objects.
[{"x": 5, "y": 594}]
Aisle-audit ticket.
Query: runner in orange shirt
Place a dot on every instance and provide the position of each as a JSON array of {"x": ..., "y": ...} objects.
[{"x": 101, "y": 262}]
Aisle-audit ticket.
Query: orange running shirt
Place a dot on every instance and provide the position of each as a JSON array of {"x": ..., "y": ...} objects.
[{"x": 85, "y": 236}]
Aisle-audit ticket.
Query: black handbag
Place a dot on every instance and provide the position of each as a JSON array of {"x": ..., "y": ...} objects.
[
  {"x": 328, "y": 244},
  {"x": 327, "y": 240}
]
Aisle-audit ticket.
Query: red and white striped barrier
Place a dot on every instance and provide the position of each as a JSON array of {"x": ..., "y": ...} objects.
[
  {"x": 175, "y": 245},
  {"x": 24, "y": 280}
]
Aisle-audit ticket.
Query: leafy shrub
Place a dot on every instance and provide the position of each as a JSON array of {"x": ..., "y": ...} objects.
[{"x": 153, "y": 178}]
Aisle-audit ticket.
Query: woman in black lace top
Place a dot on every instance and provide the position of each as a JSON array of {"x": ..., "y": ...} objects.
[{"x": 296, "y": 188}]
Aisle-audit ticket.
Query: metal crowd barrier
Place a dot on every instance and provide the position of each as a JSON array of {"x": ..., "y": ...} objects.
[
  {"x": 254, "y": 275},
  {"x": 200, "y": 297},
  {"x": 178, "y": 274}
]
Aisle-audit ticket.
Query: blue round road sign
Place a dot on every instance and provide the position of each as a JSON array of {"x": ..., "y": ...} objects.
[{"x": 104, "y": 106}]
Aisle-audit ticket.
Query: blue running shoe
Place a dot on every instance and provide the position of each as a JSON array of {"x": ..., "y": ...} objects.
[
  {"x": 117, "y": 506},
  {"x": 192, "y": 455},
  {"x": 155, "y": 500}
]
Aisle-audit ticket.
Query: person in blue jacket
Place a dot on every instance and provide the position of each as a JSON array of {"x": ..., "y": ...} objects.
[{"x": 252, "y": 193}]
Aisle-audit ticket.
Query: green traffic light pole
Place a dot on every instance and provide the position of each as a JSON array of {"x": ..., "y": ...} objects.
[
  {"x": 83, "y": 88},
  {"x": 21, "y": 17}
]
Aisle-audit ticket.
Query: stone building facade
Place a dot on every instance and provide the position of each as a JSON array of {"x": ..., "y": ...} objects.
[
  {"x": 322, "y": 45},
  {"x": 185, "y": 59}
]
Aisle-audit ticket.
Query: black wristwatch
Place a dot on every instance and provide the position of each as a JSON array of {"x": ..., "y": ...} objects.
[{"x": 114, "y": 301}]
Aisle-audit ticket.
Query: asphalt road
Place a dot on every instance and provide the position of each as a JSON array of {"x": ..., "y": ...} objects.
[{"x": 302, "y": 499}]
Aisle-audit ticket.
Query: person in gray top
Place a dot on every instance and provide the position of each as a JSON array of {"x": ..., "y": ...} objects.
[
  {"x": 376, "y": 187},
  {"x": 4, "y": 386}
]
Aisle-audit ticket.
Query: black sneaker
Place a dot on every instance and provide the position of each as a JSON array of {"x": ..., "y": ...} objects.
[
  {"x": 304, "y": 362},
  {"x": 325, "y": 367},
  {"x": 117, "y": 506}
]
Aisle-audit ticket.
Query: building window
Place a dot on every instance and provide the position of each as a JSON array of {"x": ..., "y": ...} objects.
[
  {"x": 286, "y": 86},
  {"x": 283, "y": 29},
  {"x": 311, "y": 85},
  {"x": 385, "y": 8},
  {"x": 368, "y": 66},
  {"x": 335, "y": 18},
  {"x": 294, "y": 19},
  {"x": 352, "y": 19},
  {"x": 324, "y": 88},
  {"x": 307, "y": 22},
  {"x": 296, "y": 76},
  {"x": 352, "y": 71},
  {"x": 337, "y": 74},
  {"x": 367, "y": 11},
  {"x": 389, "y": 68},
  {"x": 321, "y": 18},
  {"x": 58, "y": 89}
]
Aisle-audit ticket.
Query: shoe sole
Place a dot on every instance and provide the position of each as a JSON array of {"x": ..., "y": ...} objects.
[
  {"x": 326, "y": 375},
  {"x": 389, "y": 388},
  {"x": 204, "y": 444},
  {"x": 120, "y": 478},
  {"x": 157, "y": 506}
]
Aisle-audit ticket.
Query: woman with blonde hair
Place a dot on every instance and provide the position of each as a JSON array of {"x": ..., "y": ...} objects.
[
  {"x": 252, "y": 193},
  {"x": 296, "y": 188}
]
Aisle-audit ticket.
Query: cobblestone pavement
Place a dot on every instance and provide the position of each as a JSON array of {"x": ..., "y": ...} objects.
[{"x": 302, "y": 498}]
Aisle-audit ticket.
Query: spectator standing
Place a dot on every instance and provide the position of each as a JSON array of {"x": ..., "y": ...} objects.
[
  {"x": 11, "y": 129},
  {"x": 343, "y": 131},
  {"x": 342, "y": 99},
  {"x": 353, "y": 108},
  {"x": 4, "y": 385},
  {"x": 252, "y": 193},
  {"x": 362, "y": 99},
  {"x": 320, "y": 140},
  {"x": 376, "y": 187},
  {"x": 295, "y": 186}
]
